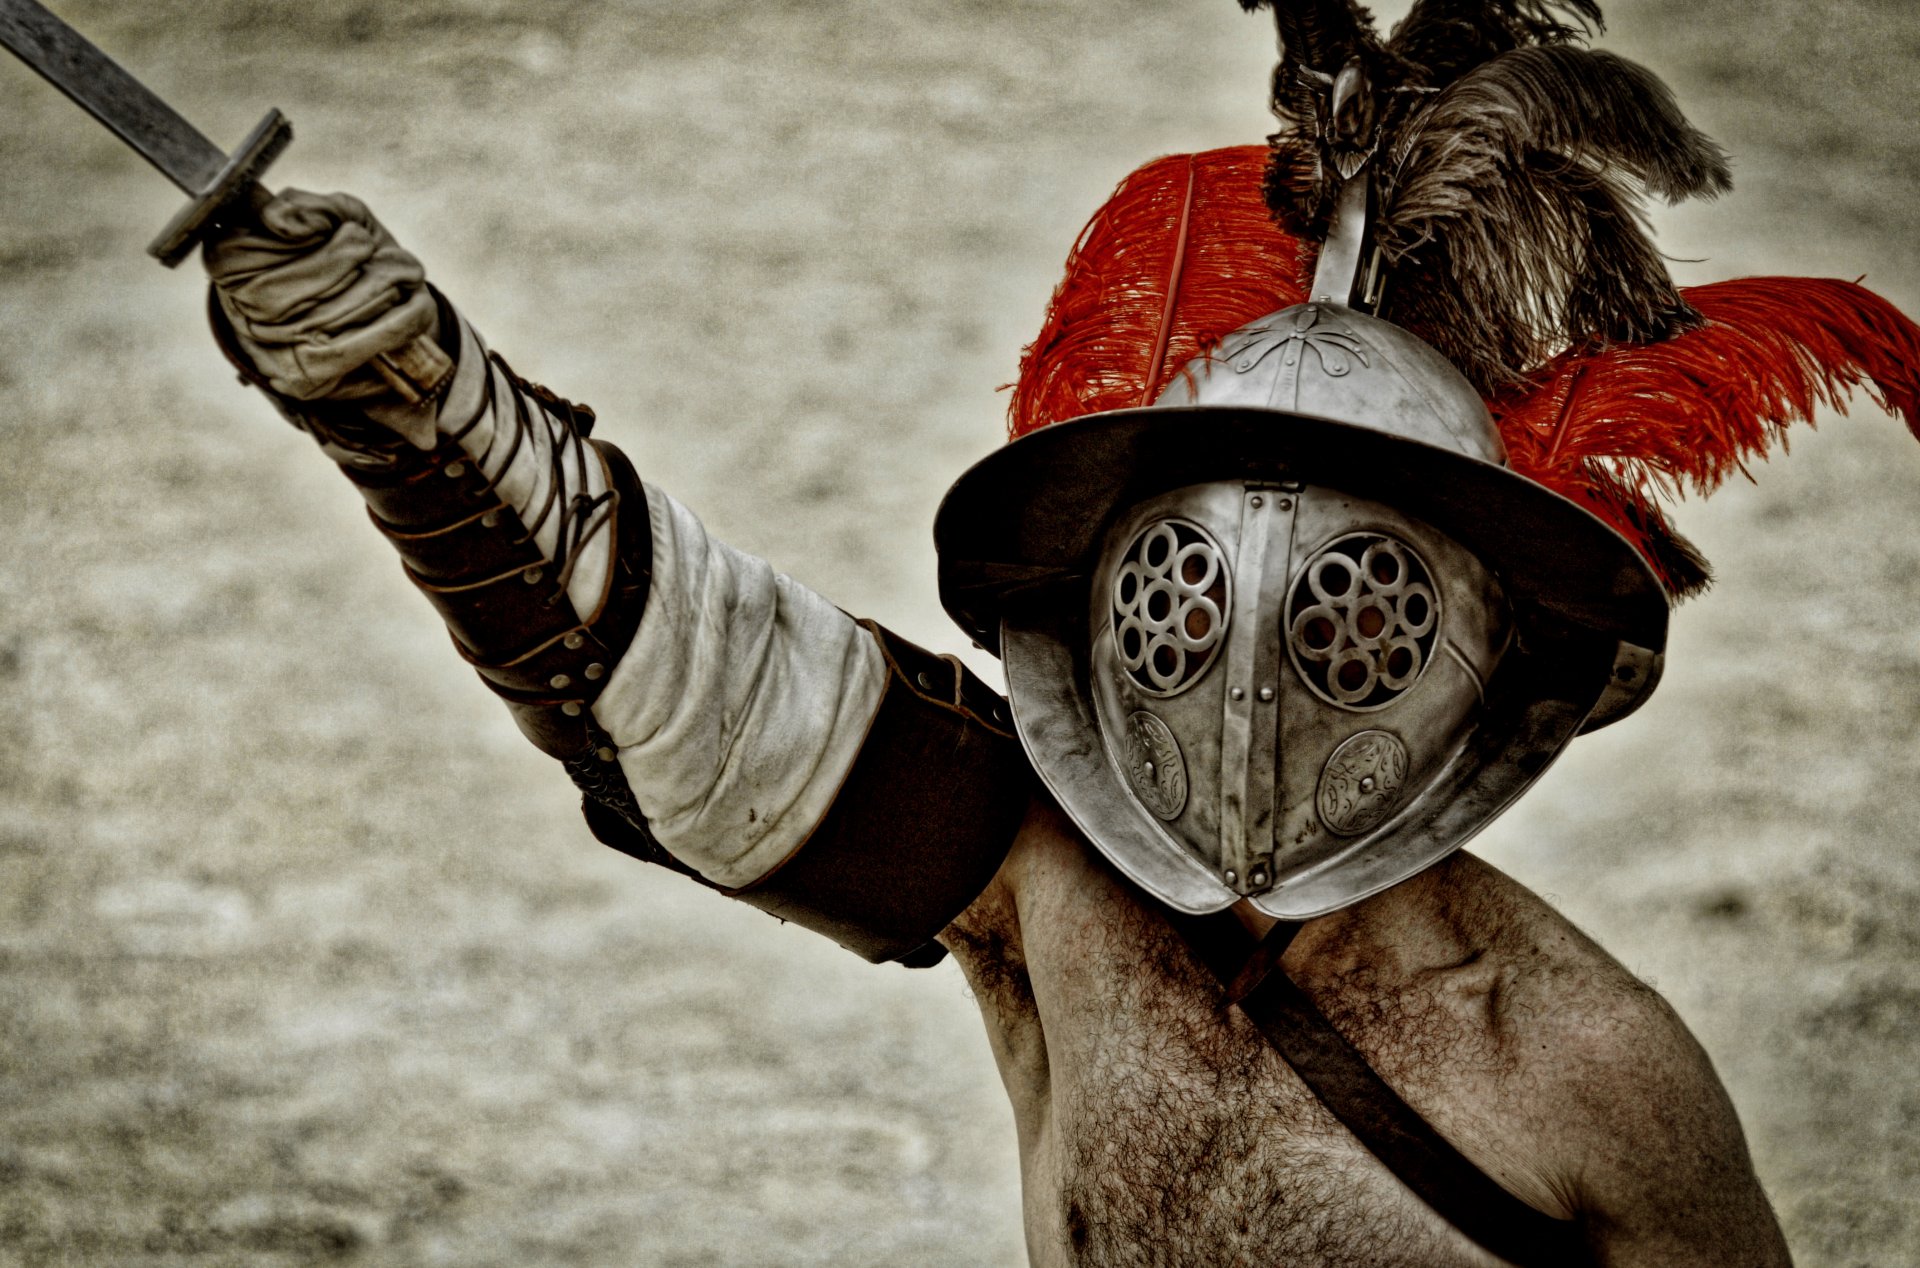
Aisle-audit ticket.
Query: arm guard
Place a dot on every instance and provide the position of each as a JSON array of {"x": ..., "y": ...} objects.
[{"x": 892, "y": 784}]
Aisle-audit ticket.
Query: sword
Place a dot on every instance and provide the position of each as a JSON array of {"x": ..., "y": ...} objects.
[{"x": 223, "y": 188}]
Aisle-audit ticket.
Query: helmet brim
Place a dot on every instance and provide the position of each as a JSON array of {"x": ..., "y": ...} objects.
[{"x": 1027, "y": 521}]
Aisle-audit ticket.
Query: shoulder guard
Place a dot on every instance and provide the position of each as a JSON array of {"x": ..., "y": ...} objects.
[{"x": 921, "y": 823}]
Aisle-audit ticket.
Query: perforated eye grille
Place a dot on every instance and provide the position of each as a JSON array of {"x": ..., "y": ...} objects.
[
  {"x": 1362, "y": 621},
  {"x": 1170, "y": 600}
]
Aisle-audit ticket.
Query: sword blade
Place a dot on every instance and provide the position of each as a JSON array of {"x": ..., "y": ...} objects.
[{"x": 97, "y": 85}]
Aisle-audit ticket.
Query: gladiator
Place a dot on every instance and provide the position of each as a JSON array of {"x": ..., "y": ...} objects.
[{"x": 1327, "y": 520}]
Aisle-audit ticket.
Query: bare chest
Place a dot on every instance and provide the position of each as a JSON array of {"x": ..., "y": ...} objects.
[{"x": 1154, "y": 1127}]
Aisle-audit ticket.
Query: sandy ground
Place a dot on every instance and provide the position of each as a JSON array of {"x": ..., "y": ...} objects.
[{"x": 304, "y": 955}]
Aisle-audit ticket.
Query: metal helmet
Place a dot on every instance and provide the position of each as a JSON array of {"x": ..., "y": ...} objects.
[{"x": 1294, "y": 632}]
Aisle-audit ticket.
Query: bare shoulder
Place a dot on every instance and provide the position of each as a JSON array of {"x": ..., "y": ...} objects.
[{"x": 1565, "y": 1076}]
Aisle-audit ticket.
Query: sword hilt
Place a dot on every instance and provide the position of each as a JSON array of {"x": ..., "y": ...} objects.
[{"x": 416, "y": 372}]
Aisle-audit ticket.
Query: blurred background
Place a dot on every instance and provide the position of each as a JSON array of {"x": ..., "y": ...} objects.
[{"x": 305, "y": 955}]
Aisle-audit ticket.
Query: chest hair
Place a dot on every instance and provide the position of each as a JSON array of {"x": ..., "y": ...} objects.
[{"x": 1172, "y": 1133}]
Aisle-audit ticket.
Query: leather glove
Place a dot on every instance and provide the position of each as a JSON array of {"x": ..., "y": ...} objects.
[{"x": 315, "y": 291}]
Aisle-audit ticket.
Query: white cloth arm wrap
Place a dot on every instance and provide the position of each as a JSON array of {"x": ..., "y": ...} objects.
[
  {"x": 523, "y": 473},
  {"x": 744, "y": 697},
  {"x": 741, "y": 704}
]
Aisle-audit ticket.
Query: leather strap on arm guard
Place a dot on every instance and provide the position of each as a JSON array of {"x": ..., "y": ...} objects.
[
  {"x": 505, "y": 603},
  {"x": 474, "y": 556}
]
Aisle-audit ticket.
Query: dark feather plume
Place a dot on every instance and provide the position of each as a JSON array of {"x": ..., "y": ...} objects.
[
  {"x": 1447, "y": 38},
  {"x": 1509, "y": 206},
  {"x": 1317, "y": 38},
  {"x": 1589, "y": 106},
  {"x": 1509, "y": 171},
  {"x": 1439, "y": 41},
  {"x": 1510, "y": 210},
  {"x": 1319, "y": 34},
  {"x": 1497, "y": 309}
]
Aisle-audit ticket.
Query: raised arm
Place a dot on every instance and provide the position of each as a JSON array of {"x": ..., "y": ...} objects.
[{"x": 719, "y": 718}]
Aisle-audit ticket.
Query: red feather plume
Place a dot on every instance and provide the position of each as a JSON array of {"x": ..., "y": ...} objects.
[
  {"x": 1618, "y": 428},
  {"x": 1185, "y": 252}
]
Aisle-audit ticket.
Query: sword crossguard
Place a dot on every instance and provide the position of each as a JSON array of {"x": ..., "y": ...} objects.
[
  {"x": 416, "y": 373},
  {"x": 236, "y": 182}
]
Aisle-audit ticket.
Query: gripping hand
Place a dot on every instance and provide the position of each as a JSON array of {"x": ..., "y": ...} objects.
[{"x": 315, "y": 290}]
